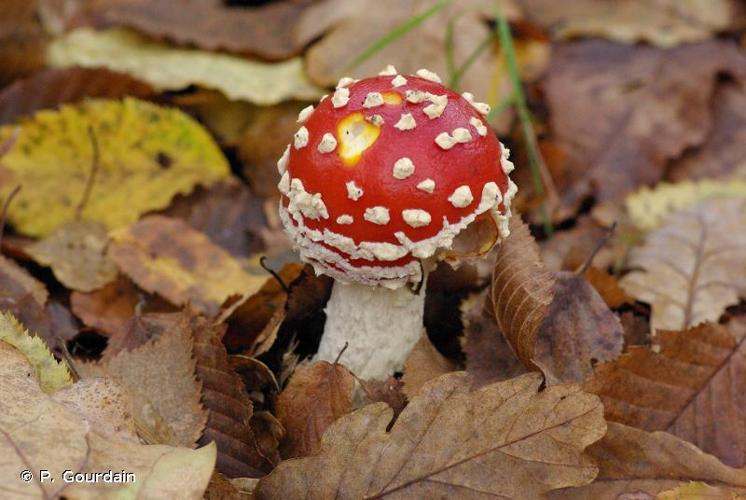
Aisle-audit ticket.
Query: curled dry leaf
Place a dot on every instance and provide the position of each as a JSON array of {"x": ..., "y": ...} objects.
[
  {"x": 168, "y": 68},
  {"x": 316, "y": 396},
  {"x": 521, "y": 291},
  {"x": 694, "y": 266},
  {"x": 167, "y": 257},
  {"x": 147, "y": 154},
  {"x": 643, "y": 463},
  {"x": 606, "y": 98},
  {"x": 694, "y": 388},
  {"x": 52, "y": 87},
  {"x": 578, "y": 331},
  {"x": 423, "y": 364},
  {"x": 452, "y": 442},
  {"x": 76, "y": 252},
  {"x": 160, "y": 378}
]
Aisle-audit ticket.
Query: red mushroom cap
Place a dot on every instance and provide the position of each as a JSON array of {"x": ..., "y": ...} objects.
[{"x": 388, "y": 171}]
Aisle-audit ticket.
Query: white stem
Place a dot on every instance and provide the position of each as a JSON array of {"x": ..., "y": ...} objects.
[{"x": 380, "y": 326}]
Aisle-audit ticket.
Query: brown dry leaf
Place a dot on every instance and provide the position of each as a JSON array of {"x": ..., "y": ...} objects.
[
  {"x": 694, "y": 266},
  {"x": 22, "y": 40},
  {"x": 107, "y": 309},
  {"x": 521, "y": 291},
  {"x": 694, "y": 490},
  {"x": 635, "y": 462},
  {"x": 450, "y": 442},
  {"x": 64, "y": 432},
  {"x": 489, "y": 357},
  {"x": 25, "y": 297},
  {"x": 724, "y": 152},
  {"x": 608, "y": 287},
  {"x": 578, "y": 331},
  {"x": 211, "y": 24},
  {"x": 317, "y": 394},
  {"x": 51, "y": 87},
  {"x": 694, "y": 388},
  {"x": 577, "y": 243},
  {"x": 229, "y": 405},
  {"x": 389, "y": 391},
  {"x": 160, "y": 377},
  {"x": 624, "y": 111},
  {"x": 664, "y": 23},
  {"x": 423, "y": 364},
  {"x": 167, "y": 257},
  {"x": 76, "y": 252}
]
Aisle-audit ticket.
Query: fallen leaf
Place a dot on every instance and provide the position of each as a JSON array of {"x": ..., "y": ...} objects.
[
  {"x": 222, "y": 488},
  {"x": 22, "y": 40},
  {"x": 636, "y": 462},
  {"x": 160, "y": 378},
  {"x": 389, "y": 391},
  {"x": 168, "y": 68},
  {"x": 76, "y": 252},
  {"x": 663, "y": 23},
  {"x": 107, "y": 309},
  {"x": 648, "y": 208},
  {"x": 50, "y": 88},
  {"x": 213, "y": 24},
  {"x": 317, "y": 394},
  {"x": 230, "y": 408},
  {"x": 624, "y": 111},
  {"x": 450, "y": 442},
  {"x": 578, "y": 331},
  {"x": 147, "y": 155},
  {"x": 693, "y": 267},
  {"x": 489, "y": 357},
  {"x": 577, "y": 243},
  {"x": 139, "y": 330},
  {"x": 723, "y": 154},
  {"x": 423, "y": 364},
  {"x": 608, "y": 287},
  {"x": 167, "y": 257},
  {"x": 521, "y": 291},
  {"x": 693, "y": 388},
  {"x": 41, "y": 433}
]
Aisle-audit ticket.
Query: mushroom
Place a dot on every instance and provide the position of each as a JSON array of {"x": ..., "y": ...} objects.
[{"x": 400, "y": 174}]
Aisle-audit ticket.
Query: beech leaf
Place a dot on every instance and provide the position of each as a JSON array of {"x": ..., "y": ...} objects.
[{"x": 450, "y": 442}]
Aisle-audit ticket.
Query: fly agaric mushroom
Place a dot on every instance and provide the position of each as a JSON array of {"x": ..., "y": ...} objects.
[{"x": 384, "y": 179}]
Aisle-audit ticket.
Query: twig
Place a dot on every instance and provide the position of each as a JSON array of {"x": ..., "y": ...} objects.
[
  {"x": 4, "y": 214},
  {"x": 341, "y": 351},
  {"x": 95, "y": 165},
  {"x": 275, "y": 275},
  {"x": 602, "y": 243}
]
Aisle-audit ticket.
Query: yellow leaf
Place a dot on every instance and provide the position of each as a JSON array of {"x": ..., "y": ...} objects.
[
  {"x": 168, "y": 68},
  {"x": 148, "y": 154},
  {"x": 52, "y": 375},
  {"x": 649, "y": 207}
]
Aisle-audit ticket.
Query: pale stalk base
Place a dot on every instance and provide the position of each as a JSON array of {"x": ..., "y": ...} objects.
[{"x": 380, "y": 325}]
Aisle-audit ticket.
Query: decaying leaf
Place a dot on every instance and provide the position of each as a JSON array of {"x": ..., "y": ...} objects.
[
  {"x": 452, "y": 442},
  {"x": 52, "y": 87},
  {"x": 607, "y": 286},
  {"x": 698, "y": 490},
  {"x": 147, "y": 155},
  {"x": 76, "y": 252},
  {"x": 576, "y": 244},
  {"x": 521, "y": 291},
  {"x": 22, "y": 40},
  {"x": 316, "y": 396},
  {"x": 160, "y": 378},
  {"x": 578, "y": 331},
  {"x": 107, "y": 309},
  {"x": 40, "y": 432},
  {"x": 212, "y": 24},
  {"x": 663, "y": 23},
  {"x": 623, "y": 111},
  {"x": 644, "y": 464},
  {"x": 168, "y": 68},
  {"x": 648, "y": 208},
  {"x": 694, "y": 266},
  {"x": 423, "y": 364},
  {"x": 167, "y": 257},
  {"x": 694, "y": 388}
]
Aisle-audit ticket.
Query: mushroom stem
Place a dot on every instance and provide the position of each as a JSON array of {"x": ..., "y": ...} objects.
[{"x": 381, "y": 326}]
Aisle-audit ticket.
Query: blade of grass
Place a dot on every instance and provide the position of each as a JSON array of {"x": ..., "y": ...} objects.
[
  {"x": 455, "y": 80},
  {"x": 448, "y": 46},
  {"x": 535, "y": 160},
  {"x": 397, "y": 33}
]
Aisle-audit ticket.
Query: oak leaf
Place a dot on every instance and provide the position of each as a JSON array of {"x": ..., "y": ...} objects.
[
  {"x": 54, "y": 433},
  {"x": 316, "y": 396},
  {"x": 147, "y": 155},
  {"x": 692, "y": 388},
  {"x": 168, "y": 68},
  {"x": 634, "y": 461},
  {"x": 452, "y": 442},
  {"x": 165, "y": 256},
  {"x": 694, "y": 266},
  {"x": 522, "y": 291}
]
